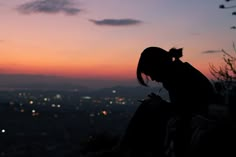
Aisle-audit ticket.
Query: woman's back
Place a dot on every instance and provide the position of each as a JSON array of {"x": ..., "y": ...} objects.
[{"x": 188, "y": 87}]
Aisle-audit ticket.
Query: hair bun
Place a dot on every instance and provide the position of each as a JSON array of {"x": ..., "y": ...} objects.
[{"x": 176, "y": 53}]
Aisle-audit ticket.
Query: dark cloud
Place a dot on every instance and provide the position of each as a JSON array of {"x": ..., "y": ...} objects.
[
  {"x": 116, "y": 22},
  {"x": 49, "y": 6},
  {"x": 212, "y": 51}
]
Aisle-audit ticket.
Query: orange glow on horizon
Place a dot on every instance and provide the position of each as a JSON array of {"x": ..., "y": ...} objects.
[
  {"x": 75, "y": 63},
  {"x": 89, "y": 62},
  {"x": 96, "y": 71}
]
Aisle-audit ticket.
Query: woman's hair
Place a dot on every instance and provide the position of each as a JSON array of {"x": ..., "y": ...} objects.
[{"x": 151, "y": 58}]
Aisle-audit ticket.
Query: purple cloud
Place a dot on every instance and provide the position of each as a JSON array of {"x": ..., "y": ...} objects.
[
  {"x": 116, "y": 22},
  {"x": 212, "y": 51},
  {"x": 49, "y": 6}
]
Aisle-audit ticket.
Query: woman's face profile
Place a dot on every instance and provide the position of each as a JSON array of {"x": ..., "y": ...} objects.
[{"x": 156, "y": 74}]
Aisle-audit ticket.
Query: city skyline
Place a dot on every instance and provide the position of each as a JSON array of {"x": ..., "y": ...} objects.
[{"x": 103, "y": 40}]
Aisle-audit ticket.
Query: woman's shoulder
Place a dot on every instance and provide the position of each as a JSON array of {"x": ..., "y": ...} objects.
[
  {"x": 191, "y": 68},
  {"x": 187, "y": 64},
  {"x": 196, "y": 75}
]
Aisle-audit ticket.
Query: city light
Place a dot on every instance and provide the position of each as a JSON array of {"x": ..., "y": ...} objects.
[
  {"x": 31, "y": 102},
  {"x": 104, "y": 112},
  {"x": 58, "y": 96},
  {"x": 86, "y": 97},
  {"x": 53, "y": 105}
]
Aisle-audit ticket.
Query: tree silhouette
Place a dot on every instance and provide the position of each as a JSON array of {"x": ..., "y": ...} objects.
[{"x": 226, "y": 73}]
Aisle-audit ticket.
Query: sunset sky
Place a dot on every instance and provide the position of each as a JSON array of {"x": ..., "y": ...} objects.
[{"x": 104, "y": 38}]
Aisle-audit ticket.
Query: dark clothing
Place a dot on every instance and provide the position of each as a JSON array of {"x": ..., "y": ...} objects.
[
  {"x": 188, "y": 88},
  {"x": 145, "y": 133},
  {"x": 190, "y": 93}
]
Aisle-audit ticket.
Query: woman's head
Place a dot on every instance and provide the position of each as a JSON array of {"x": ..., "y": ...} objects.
[{"x": 154, "y": 63}]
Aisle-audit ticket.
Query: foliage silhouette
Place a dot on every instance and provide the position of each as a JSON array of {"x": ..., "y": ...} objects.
[{"x": 225, "y": 76}]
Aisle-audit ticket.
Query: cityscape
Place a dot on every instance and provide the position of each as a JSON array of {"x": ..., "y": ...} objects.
[{"x": 60, "y": 123}]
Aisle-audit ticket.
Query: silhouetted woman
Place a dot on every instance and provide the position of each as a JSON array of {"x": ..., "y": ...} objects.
[{"x": 190, "y": 93}]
